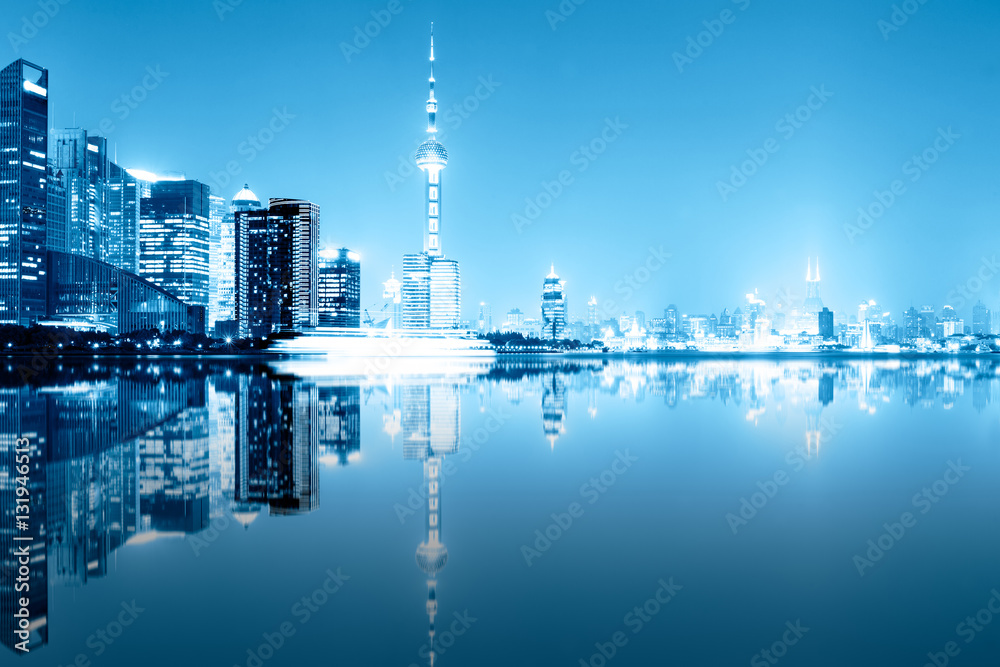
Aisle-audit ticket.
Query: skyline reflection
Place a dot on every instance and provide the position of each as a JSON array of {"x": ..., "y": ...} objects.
[{"x": 133, "y": 452}]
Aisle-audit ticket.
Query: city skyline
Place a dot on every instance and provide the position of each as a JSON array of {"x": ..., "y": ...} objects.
[{"x": 846, "y": 156}]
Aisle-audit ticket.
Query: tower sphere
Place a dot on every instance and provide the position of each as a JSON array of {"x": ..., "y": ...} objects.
[
  {"x": 431, "y": 558},
  {"x": 431, "y": 153}
]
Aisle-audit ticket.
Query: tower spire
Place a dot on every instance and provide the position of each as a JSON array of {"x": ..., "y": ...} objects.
[
  {"x": 809, "y": 270},
  {"x": 431, "y": 102}
]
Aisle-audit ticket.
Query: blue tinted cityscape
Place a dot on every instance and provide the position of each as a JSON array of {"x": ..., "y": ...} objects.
[{"x": 554, "y": 332}]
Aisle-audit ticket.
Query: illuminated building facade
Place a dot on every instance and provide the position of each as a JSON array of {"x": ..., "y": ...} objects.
[
  {"x": 981, "y": 324},
  {"x": 553, "y": 307},
  {"x": 256, "y": 305},
  {"x": 87, "y": 294},
  {"x": 296, "y": 244},
  {"x": 216, "y": 215},
  {"x": 124, "y": 206},
  {"x": 826, "y": 324},
  {"x": 56, "y": 215},
  {"x": 24, "y": 120},
  {"x": 225, "y": 268},
  {"x": 277, "y": 268},
  {"x": 81, "y": 165},
  {"x": 174, "y": 239},
  {"x": 339, "y": 288}
]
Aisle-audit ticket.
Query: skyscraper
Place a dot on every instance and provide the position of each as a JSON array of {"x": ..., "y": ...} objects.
[
  {"x": 56, "y": 215},
  {"x": 593, "y": 312},
  {"x": 255, "y": 297},
  {"x": 296, "y": 238},
  {"x": 432, "y": 287},
  {"x": 515, "y": 320},
  {"x": 417, "y": 291},
  {"x": 911, "y": 324},
  {"x": 671, "y": 315},
  {"x": 553, "y": 307},
  {"x": 339, "y": 288},
  {"x": 277, "y": 269},
  {"x": 826, "y": 323},
  {"x": 24, "y": 121},
  {"x": 446, "y": 293},
  {"x": 485, "y": 318},
  {"x": 245, "y": 200},
  {"x": 81, "y": 162},
  {"x": 216, "y": 216},
  {"x": 813, "y": 304},
  {"x": 981, "y": 320},
  {"x": 173, "y": 239},
  {"x": 123, "y": 198},
  {"x": 928, "y": 322}
]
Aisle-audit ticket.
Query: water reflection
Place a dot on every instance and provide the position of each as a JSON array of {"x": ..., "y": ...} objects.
[{"x": 130, "y": 452}]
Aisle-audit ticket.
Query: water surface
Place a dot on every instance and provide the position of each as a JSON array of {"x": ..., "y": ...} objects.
[{"x": 518, "y": 512}]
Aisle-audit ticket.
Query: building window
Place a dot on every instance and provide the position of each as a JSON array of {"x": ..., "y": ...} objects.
[
  {"x": 433, "y": 193},
  {"x": 433, "y": 209},
  {"x": 432, "y": 177},
  {"x": 434, "y": 242},
  {"x": 432, "y": 225}
]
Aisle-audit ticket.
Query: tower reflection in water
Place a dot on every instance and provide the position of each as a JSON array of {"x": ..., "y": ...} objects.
[
  {"x": 126, "y": 452},
  {"x": 431, "y": 430}
]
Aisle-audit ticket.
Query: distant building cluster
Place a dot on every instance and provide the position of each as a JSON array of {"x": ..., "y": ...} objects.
[{"x": 786, "y": 324}]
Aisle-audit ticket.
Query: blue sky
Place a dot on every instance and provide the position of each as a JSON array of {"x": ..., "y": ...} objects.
[{"x": 345, "y": 121}]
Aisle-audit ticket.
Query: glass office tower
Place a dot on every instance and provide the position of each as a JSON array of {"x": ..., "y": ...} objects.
[
  {"x": 173, "y": 239},
  {"x": 23, "y": 142}
]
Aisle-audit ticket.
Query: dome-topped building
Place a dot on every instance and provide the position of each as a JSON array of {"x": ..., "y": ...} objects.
[{"x": 246, "y": 200}]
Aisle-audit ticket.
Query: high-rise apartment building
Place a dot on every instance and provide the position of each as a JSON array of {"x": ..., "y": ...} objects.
[{"x": 277, "y": 269}]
